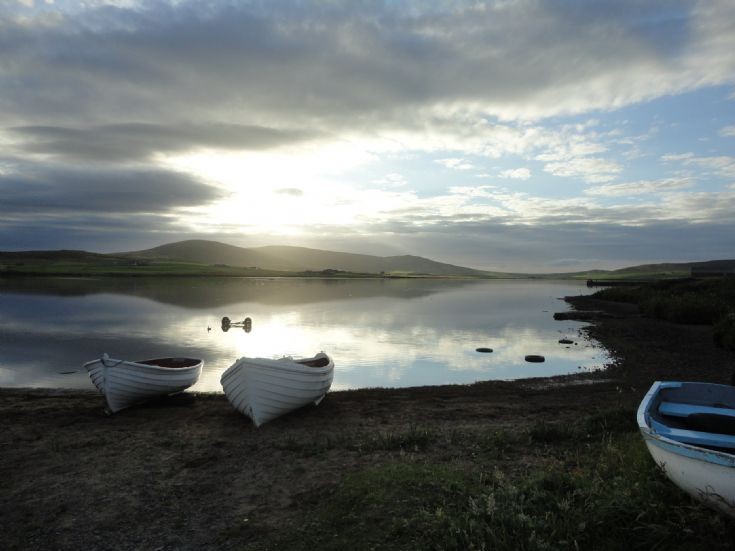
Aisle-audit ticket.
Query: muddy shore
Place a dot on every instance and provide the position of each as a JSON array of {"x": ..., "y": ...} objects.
[{"x": 191, "y": 473}]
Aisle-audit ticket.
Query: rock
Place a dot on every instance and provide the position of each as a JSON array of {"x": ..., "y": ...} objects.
[{"x": 582, "y": 315}]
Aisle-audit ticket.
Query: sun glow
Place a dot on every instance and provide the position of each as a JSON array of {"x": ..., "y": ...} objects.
[{"x": 285, "y": 192}]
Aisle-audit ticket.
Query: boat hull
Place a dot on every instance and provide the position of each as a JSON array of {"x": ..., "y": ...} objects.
[
  {"x": 125, "y": 383},
  {"x": 265, "y": 389},
  {"x": 701, "y": 474},
  {"x": 707, "y": 471}
]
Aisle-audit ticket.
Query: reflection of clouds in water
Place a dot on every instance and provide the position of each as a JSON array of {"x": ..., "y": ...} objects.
[
  {"x": 402, "y": 340},
  {"x": 374, "y": 356},
  {"x": 37, "y": 374},
  {"x": 394, "y": 362}
]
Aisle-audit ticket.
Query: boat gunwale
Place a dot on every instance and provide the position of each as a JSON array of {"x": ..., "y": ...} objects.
[
  {"x": 156, "y": 368},
  {"x": 278, "y": 364}
]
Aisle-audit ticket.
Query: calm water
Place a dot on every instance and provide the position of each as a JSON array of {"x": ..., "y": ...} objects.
[{"x": 381, "y": 333}]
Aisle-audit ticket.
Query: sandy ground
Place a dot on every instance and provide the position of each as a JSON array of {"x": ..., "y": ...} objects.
[{"x": 190, "y": 472}]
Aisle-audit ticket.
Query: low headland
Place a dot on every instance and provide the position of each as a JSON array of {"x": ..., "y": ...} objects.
[{"x": 551, "y": 463}]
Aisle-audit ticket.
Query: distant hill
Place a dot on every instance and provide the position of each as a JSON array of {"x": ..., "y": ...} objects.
[
  {"x": 63, "y": 254},
  {"x": 297, "y": 259},
  {"x": 679, "y": 267},
  {"x": 212, "y": 258}
]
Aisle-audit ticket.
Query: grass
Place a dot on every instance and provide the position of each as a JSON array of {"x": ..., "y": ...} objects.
[
  {"x": 615, "y": 498},
  {"x": 590, "y": 485}
]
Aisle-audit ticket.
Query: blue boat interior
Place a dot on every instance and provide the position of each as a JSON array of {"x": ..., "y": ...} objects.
[{"x": 710, "y": 425}]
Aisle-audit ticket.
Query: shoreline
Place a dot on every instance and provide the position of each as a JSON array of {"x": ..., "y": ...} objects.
[{"x": 190, "y": 472}]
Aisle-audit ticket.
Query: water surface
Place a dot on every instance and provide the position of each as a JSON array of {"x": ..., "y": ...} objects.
[{"x": 381, "y": 333}]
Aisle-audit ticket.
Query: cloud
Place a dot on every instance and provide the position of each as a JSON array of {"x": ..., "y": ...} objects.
[
  {"x": 723, "y": 165},
  {"x": 590, "y": 169},
  {"x": 138, "y": 141},
  {"x": 310, "y": 97},
  {"x": 499, "y": 246},
  {"x": 366, "y": 62},
  {"x": 290, "y": 191},
  {"x": 641, "y": 187},
  {"x": 455, "y": 164},
  {"x": 54, "y": 189},
  {"x": 516, "y": 173},
  {"x": 728, "y": 131},
  {"x": 393, "y": 179}
]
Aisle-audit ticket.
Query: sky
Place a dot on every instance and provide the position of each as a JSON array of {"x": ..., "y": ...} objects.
[{"x": 514, "y": 135}]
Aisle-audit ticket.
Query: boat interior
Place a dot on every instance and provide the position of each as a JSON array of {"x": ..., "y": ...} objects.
[
  {"x": 707, "y": 425},
  {"x": 171, "y": 363},
  {"x": 321, "y": 361}
]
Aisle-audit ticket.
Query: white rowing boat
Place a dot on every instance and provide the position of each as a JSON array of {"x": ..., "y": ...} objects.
[
  {"x": 264, "y": 389},
  {"x": 125, "y": 383},
  {"x": 689, "y": 429}
]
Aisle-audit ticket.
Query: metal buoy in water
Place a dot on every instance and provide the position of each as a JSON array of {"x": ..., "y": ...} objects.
[
  {"x": 483, "y": 349},
  {"x": 534, "y": 358}
]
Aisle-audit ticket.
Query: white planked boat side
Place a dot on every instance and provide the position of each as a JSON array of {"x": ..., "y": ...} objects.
[
  {"x": 265, "y": 389},
  {"x": 126, "y": 383}
]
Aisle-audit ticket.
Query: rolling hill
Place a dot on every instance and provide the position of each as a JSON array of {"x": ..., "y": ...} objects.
[
  {"x": 296, "y": 259},
  {"x": 212, "y": 258}
]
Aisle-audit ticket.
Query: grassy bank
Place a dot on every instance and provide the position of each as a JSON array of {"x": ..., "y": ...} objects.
[
  {"x": 693, "y": 301},
  {"x": 589, "y": 485}
]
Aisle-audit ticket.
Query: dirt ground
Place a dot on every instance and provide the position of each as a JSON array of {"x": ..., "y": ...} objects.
[{"x": 190, "y": 472}]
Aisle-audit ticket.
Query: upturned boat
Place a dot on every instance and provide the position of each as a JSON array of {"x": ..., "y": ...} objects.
[
  {"x": 264, "y": 389},
  {"x": 126, "y": 383},
  {"x": 689, "y": 429}
]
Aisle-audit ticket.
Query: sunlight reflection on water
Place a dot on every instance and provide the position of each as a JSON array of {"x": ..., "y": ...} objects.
[{"x": 381, "y": 333}]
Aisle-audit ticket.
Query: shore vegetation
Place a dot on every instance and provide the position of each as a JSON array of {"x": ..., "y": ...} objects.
[{"x": 709, "y": 301}]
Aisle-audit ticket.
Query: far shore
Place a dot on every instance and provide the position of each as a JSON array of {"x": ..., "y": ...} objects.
[{"x": 190, "y": 472}]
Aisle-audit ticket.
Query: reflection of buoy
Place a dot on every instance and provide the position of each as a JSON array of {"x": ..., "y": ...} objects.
[
  {"x": 246, "y": 324},
  {"x": 534, "y": 358},
  {"x": 483, "y": 349},
  {"x": 565, "y": 341}
]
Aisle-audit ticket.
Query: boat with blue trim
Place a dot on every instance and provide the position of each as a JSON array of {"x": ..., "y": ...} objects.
[{"x": 689, "y": 429}]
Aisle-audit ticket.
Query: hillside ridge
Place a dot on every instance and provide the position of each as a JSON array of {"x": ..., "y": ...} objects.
[{"x": 297, "y": 259}]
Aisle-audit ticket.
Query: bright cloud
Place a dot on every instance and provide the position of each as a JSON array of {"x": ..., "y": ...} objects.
[
  {"x": 641, "y": 187},
  {"x": 516, "y": 173},
  {"x": 589, "y": 169}
]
